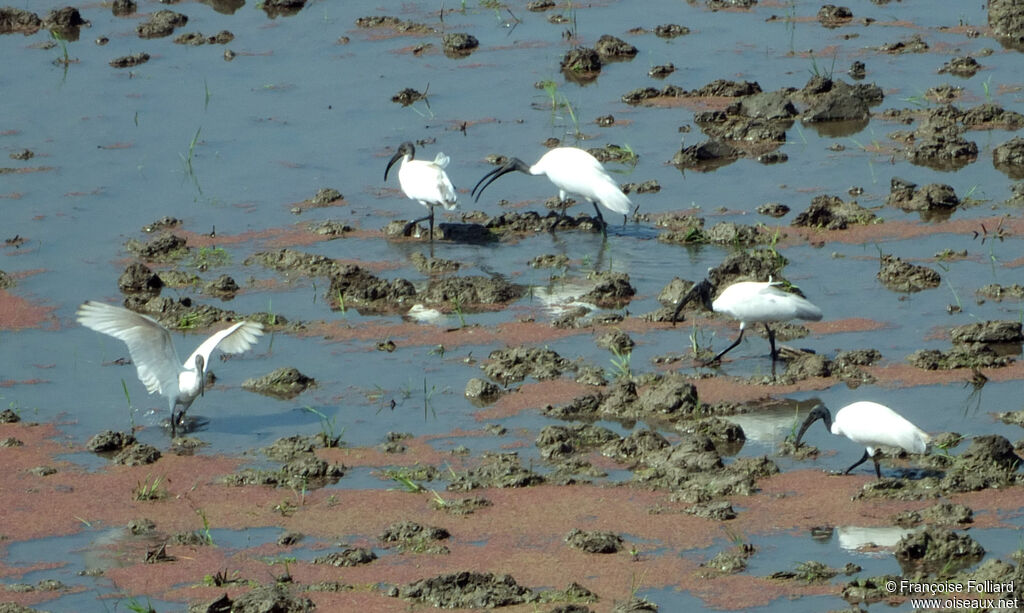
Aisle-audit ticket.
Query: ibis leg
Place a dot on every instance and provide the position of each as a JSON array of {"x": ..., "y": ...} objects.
[
  {"x": 407, "y": 230},
  {"x": 864, "y": 458},
  {"x": 771, "y": 341},
  {"x": 600, "y": 220},
  {"x": 729, "y": 348}
]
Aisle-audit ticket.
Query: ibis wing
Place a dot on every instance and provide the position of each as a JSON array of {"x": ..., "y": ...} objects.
[
  {"x": 798, "y": 306},
  {"x": 149, "y": 343},
  {"x": 234, "y": 339}
]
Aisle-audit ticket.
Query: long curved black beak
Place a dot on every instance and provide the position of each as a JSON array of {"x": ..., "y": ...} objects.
[
  {"x": 819, "y": 412},
  {"x": 201, "y": 367},
  {"x": 513, "y": 165},
  {"x": 397, "y": 156},
  {"x": 700, "y": 290}
]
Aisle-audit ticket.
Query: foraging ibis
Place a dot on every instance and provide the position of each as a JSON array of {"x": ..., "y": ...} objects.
[
  {"x": 752, "y": 301},
  {"x": 572, "y": 170},
  {"x": 156, "y": 360},
  {"x": 872, "y": 425},
  {"x": 424, "y": 182}
]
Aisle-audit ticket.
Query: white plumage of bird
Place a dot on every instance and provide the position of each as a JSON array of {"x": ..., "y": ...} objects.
[
  {"x": 573, "y": 171},
  {"x": 424, "y": 182},
  {"x": 752, "y": 302},
  {"x": 872, "y": 425},
  {"x": 155, "y": 358}
]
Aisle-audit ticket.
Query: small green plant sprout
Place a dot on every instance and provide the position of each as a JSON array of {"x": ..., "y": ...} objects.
[
  {"x": 210, "y": 257},
  {"x": 621, "y": 362},
  {"x": 187, "y": 158},
  {"x": 439, "y": 351},
  {"x": 65, "y": 60},
  {"x": 286, "y": 508},
  {"x": 150, "y": 489},
  {"x": 403, "y": 479},
  {"x": 457, "y": 309},
  {"x": 205, "y": 533},
  {"x": 137, "y": 607},
  {"x": 329, "y": 436},
  {"x": 221, "y": 578},
  {"x": 438, "y": 502},
  {"x": 188, "y": 321}
]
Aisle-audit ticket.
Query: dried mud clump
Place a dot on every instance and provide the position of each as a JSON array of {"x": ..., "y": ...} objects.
[
  {"x": 594, "y": 541},
  {"x": 989, "y": 462},
  {"x": 995, "y": 291},
  {"x": 933, "y": 198},
  {"x": 459, "y": 44},
  {"x": 349, "y": 556},
  {"x": 285, "y": 8},
  {"x": 364, "y": 291},
  {"x": 469, "y": 291},
  {"x": 832, "y": 16},
  {"x": 466, "y": 589},
  {"x": 137, "y": 278},
  {"x": 914, "y": 44},
  {"x": 582, "y": 63},
  {"x": 1008, "y": 158},
  {"x": 614, "y": 49},
  {"x": 981, "y": 344},
  {"x": 276, "y": 598},
  {"x": 559, "y": 442},
  {"x": 223, "y": 287},
  {"x": 965, "y": 67},
  {"x": 413, "y": 537},
  {"x": 708, "y": 155},
  {"x": 837, "y": 100},
  {"x": 284, "y": 383},
  {"x": 295, "y": 264},
  {"x": 728, "y": 562},
  {"x": 937, "y": 550},
  {"x": 988, "y": 115},
  {"x": 14, "y": 21},
  {"x": 138, "y": 454},
  {"x": 160, "y": 24},
  {"x": 900, "y": 276},
  {"x": 109, "y": 441},
  {"x": 398, "y": 25},
  {"x": 613, "y": 290},
  {"x": 164, "y": 247},
  {"x": 407, "y": 96},
  {"x": 670, "y": 30},
  {"x": 938, "y": 142},
  {"x": 127, "y": 61},
  {"x": 1007, "y": 23},
  {"x": 496, "y": 470},
  {"x": 832, "y": 213},
  {"x": 6, "y": 280},
  {"x": 513, "y": 364}
]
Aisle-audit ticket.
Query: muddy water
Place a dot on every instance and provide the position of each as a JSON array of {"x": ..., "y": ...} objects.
[{"x": 235, "y": 149}]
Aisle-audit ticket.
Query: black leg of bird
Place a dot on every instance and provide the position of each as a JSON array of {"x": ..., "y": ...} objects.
[
  {"x": 864, "y": 458},
  {"x": 771, "y": 341}
]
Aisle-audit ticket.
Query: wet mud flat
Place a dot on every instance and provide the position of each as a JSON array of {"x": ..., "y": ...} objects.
[{"x": 580, "y": 455}]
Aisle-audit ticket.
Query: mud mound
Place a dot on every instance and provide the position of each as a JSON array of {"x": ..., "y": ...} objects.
[
  {"x": 831, "y": 213},
  {"x": 466, "y": 589},
  {"x": 284, "y": 383},
  {"x": 900, "y": 276}
]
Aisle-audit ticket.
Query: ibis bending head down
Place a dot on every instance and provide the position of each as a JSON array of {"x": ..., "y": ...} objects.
[
  {"x": 424, "y": 182},
  {"x": 751, "y": 302},
  {"x": 573, "y": 171},
  {"x": 869, "y": 424},
  {"x": 155, "y": 358}
]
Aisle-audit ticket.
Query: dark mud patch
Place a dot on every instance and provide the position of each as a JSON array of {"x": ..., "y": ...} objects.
[
  {"x": 976, "y": 345},
  {"x": 900, "y": 276},
  {"x": 514, "y": 364},
  {"x": 466, "y": 589},
  {"x": 933, "y": 201},
  {"x": 832, "y": 213},
  {"x": 413, "y": 537},
  {"x": 594, "y": 541},
  {"x": 160, "y": 24},
  {"x": 937, "y": 550},
  {"x": 284, "y": 383}
]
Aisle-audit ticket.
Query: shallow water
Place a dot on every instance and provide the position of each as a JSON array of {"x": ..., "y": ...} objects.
[{"x": 297, "y": 110}]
